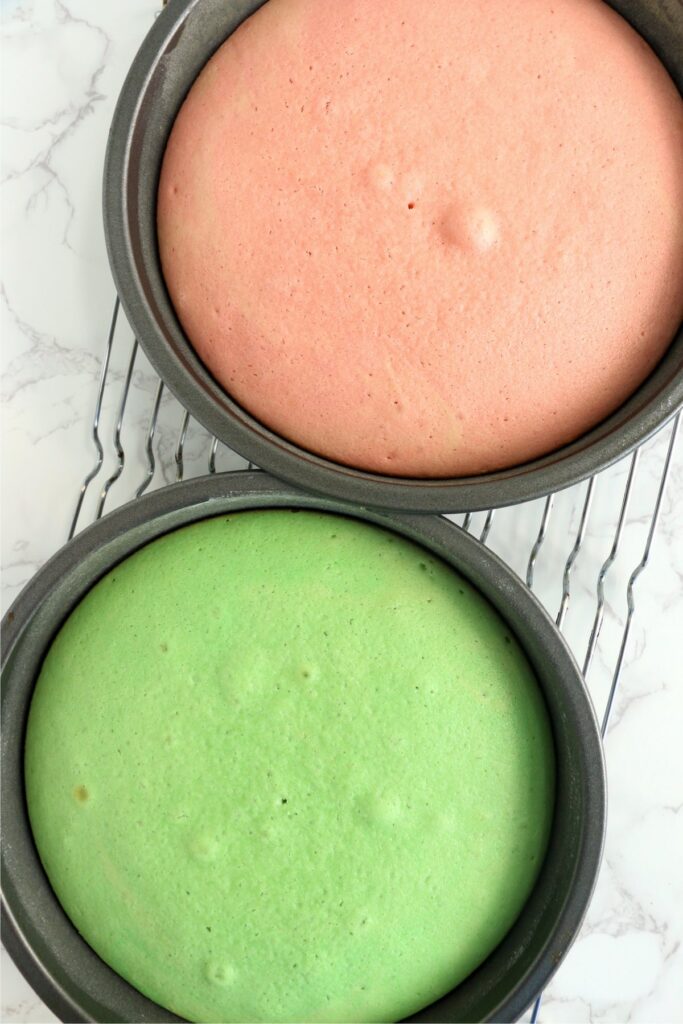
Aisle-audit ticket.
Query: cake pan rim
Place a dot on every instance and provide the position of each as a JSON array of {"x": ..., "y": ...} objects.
[
  {"x": 649, "y": 408},
  {"x": 137, "y": 523}
]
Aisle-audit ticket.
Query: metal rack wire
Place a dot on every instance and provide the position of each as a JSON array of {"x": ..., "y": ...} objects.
[{"x": 627, "y": 544}]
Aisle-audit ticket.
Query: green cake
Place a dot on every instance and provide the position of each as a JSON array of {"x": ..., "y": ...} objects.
[{"x": 288, "y": 766}]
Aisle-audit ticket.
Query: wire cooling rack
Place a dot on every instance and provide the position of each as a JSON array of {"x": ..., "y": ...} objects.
[{"x": 583, "y": 551}]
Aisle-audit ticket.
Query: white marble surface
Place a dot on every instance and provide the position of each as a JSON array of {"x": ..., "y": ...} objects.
[{"x": 64, "y": 61}]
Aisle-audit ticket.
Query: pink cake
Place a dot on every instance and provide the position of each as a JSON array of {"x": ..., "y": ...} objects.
[{"x": 428, "y": 239}]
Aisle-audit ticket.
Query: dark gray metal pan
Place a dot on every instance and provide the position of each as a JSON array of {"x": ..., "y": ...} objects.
[
  {"x": 183, "y": 38},
  {"x": 66, "y": 973}
]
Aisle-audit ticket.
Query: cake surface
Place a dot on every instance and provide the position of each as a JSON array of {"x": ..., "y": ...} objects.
[
  {"x": 428, "y": 239},
  {"x": 289, "y": 767}
]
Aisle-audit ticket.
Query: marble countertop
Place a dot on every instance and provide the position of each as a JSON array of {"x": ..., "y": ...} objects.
[{"x": 64, "y": 62}]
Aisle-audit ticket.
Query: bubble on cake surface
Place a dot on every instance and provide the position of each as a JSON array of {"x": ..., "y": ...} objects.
[
  {"x": 443, "y": 822},
  {"x": 220, "y": 973},
  {"x": 243, "y": 682},
  {"x": 381, "y": 176},
  {"x": 203, "y": 847},
  {"x": 381, "y": 809},
  {"x": 484, "y": 228},
  {"x": 473, "y": 229}
]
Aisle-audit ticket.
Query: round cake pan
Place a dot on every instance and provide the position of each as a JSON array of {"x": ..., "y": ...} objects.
[
  {"x": 69, "y": 976},
  {"x": 183, "y": 38}
]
